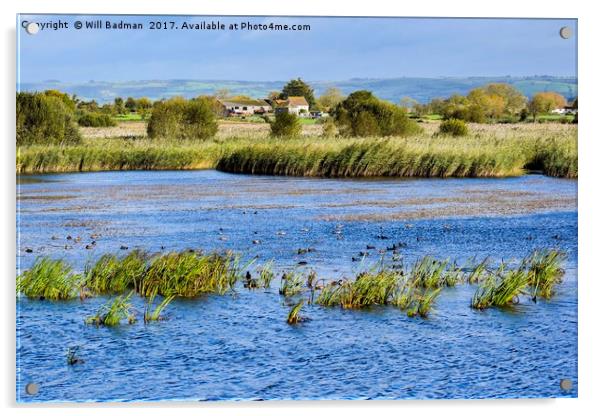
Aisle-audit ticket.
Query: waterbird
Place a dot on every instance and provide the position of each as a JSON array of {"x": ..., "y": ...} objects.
[{"x": 123, "y": 247}]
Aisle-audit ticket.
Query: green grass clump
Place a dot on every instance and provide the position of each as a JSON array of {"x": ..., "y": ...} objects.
[
  {"x": 188, "y": 274},
  {"x": 544, "y": 272},
  {"x": 422, "y": 303},
  {"x": 49, "y": 279},
  {"x": 479, "y": 271},
  {"x": 366, "y": 290},
  {"x": 501, "y": 289},
  {"x": 155, "y": 314},
  {"x": 431, "y": 273},
  {"x": 113, "y": 312},
  {"x": 293, "y": 315},
  {"x": 291, "y": 284},
  {"x": 111, "y": 274},
  {"x": 266, "y": 275}
]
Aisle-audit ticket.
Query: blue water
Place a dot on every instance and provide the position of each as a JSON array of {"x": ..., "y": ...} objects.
[{"x": 239, "y": 347}]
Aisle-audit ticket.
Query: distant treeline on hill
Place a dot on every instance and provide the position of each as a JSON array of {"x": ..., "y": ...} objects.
[{"x": 422, "y": 90}]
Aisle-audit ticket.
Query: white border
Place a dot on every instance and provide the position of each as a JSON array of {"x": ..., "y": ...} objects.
[{"x": 590, "y": 141}]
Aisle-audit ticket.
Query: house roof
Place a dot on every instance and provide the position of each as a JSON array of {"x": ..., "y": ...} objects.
[
  {"x": 297, "y": 101},
  {"x": 261, "y": 103}
]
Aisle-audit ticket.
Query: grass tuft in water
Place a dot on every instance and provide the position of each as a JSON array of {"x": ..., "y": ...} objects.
[
  {"x": 293, "y": 315},
  {"x": 111, "y": 274},
  {"x": 113, "y": 312},
  {"x": 155, "y": 314},
  {"x": 291, "y": 284},
  {"x": 501, "y": 289},
  {"x": 544, "y": 272},
  {"x": 49, "y": 279},
  {"x": 189, "y": 274}
]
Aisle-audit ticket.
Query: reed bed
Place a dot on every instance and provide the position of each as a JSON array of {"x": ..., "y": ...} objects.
[
  {"x": 489, "y": 152},
  {"x": 111, "y": 274},
  {"x": 189, "y": 273},
  {"x": 49, "y": 279}
]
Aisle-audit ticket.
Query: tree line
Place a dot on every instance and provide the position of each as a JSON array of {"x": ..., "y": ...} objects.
[{"x": 53, "y": 117}]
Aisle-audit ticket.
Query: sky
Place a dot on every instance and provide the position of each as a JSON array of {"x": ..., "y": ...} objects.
[{"x": 333, "y": 49}]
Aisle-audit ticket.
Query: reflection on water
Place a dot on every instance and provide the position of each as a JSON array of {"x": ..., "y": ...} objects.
[{"x": 239, "y": 347}]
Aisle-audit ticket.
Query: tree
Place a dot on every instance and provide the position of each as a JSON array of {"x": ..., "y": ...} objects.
[
  {"x": 513, "y": 99},
  {"x": 143, "y": 106},
  {"x": 329, "y": 100},
  {"x": 362, "y": 114},
  {"x": 298, "y": 88},
  {"x": 544, "y": 102},
  {"x": 45, "y": 119},
  {"x": 119, "y": 105},
  {"x": 182, "y": 119},
  {"x": 130, "y": 104},
  {"x": 285, "y": 125}
]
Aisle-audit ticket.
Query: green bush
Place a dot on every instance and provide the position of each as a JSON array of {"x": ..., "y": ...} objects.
[
  {"x": 44, "y": 119},
  {"x": 183, "y": 119},
  {"x": 453, "y": 127},
  {"x": 361, "y": 114},
  {"x": 88, "y": 119},
  {"x": 285, "y": 125}
]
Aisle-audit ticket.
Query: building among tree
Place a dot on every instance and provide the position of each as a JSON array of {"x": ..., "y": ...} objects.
[
  {"x": 245, "y": 106},
  {"x": 292, "y": 105}
]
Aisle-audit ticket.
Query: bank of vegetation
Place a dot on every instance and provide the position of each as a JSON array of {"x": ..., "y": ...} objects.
[
  {"x": 189, "y": 274},
  {"x": 363, "y": 137}
]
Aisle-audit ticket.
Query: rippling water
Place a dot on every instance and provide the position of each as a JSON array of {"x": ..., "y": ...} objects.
[{"x": 239, "y": 346}]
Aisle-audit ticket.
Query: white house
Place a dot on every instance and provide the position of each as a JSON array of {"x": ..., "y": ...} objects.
[
  {"x": 292, "y": 105},
  {"x": 245, "y": 106}
]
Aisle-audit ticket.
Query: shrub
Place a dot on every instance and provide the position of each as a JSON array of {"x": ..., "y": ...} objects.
[
  {"x": 453, "y": 127},
  {"x": 329, "y": 129},
  {"x": 89, "y": 119},
  {"x": 44, "y": 119},
  {"x": 362, "y": 114},
  {"x": 182, "y": 119},
  {"x": 285, "y": 125}
]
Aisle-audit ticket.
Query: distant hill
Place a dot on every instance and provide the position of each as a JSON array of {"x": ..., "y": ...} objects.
[{"x": 393, "y": 89}]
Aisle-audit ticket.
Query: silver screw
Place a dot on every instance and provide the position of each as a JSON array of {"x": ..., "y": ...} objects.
[
  {"x": 566, "y": 384},
  {"x": 565, "y": 32},
  {"x": 32, "y": 389},
  {"x": 32, "y": 28}
]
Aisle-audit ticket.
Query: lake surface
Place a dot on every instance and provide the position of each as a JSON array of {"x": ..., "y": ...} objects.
[{"x": 239, "y": 347}]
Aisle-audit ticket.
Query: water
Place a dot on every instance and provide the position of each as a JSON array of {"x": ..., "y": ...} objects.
[{"x": 239, "y": 347}]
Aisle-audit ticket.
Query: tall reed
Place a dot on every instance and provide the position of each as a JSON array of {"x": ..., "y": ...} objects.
[{"x": 49, "y": 279}]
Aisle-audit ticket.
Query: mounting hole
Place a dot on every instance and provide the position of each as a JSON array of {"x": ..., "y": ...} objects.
[
  {"x": 32, "y": 28},
  {"x": 32, "y": 388},
  {"x": 565, "y": 32},
  {"x": 566, "y": 384}
]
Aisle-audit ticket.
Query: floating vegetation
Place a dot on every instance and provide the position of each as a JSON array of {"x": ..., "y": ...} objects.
[
  {"x": 293, "y": 315},
  {"x": 479, "y": 271},
  {"x": 431, "y": 273},
  {"x": 113, "y": 312},
  {"x": 266, "y": 275},
  {"x": 544, "y": 272},
  {"x": 501, "y": 289},
  {"x": 155, "y": 314},
  {"x": 421, "y": 303},
  {"x": 49, "y": 279},
  {"x": 189, "y": 274},
  {"x": 111, "y": 274},
  {"x": 291, "y": 284}
]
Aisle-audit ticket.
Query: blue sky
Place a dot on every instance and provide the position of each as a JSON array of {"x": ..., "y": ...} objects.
[{"x": 334, "y": 49}]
